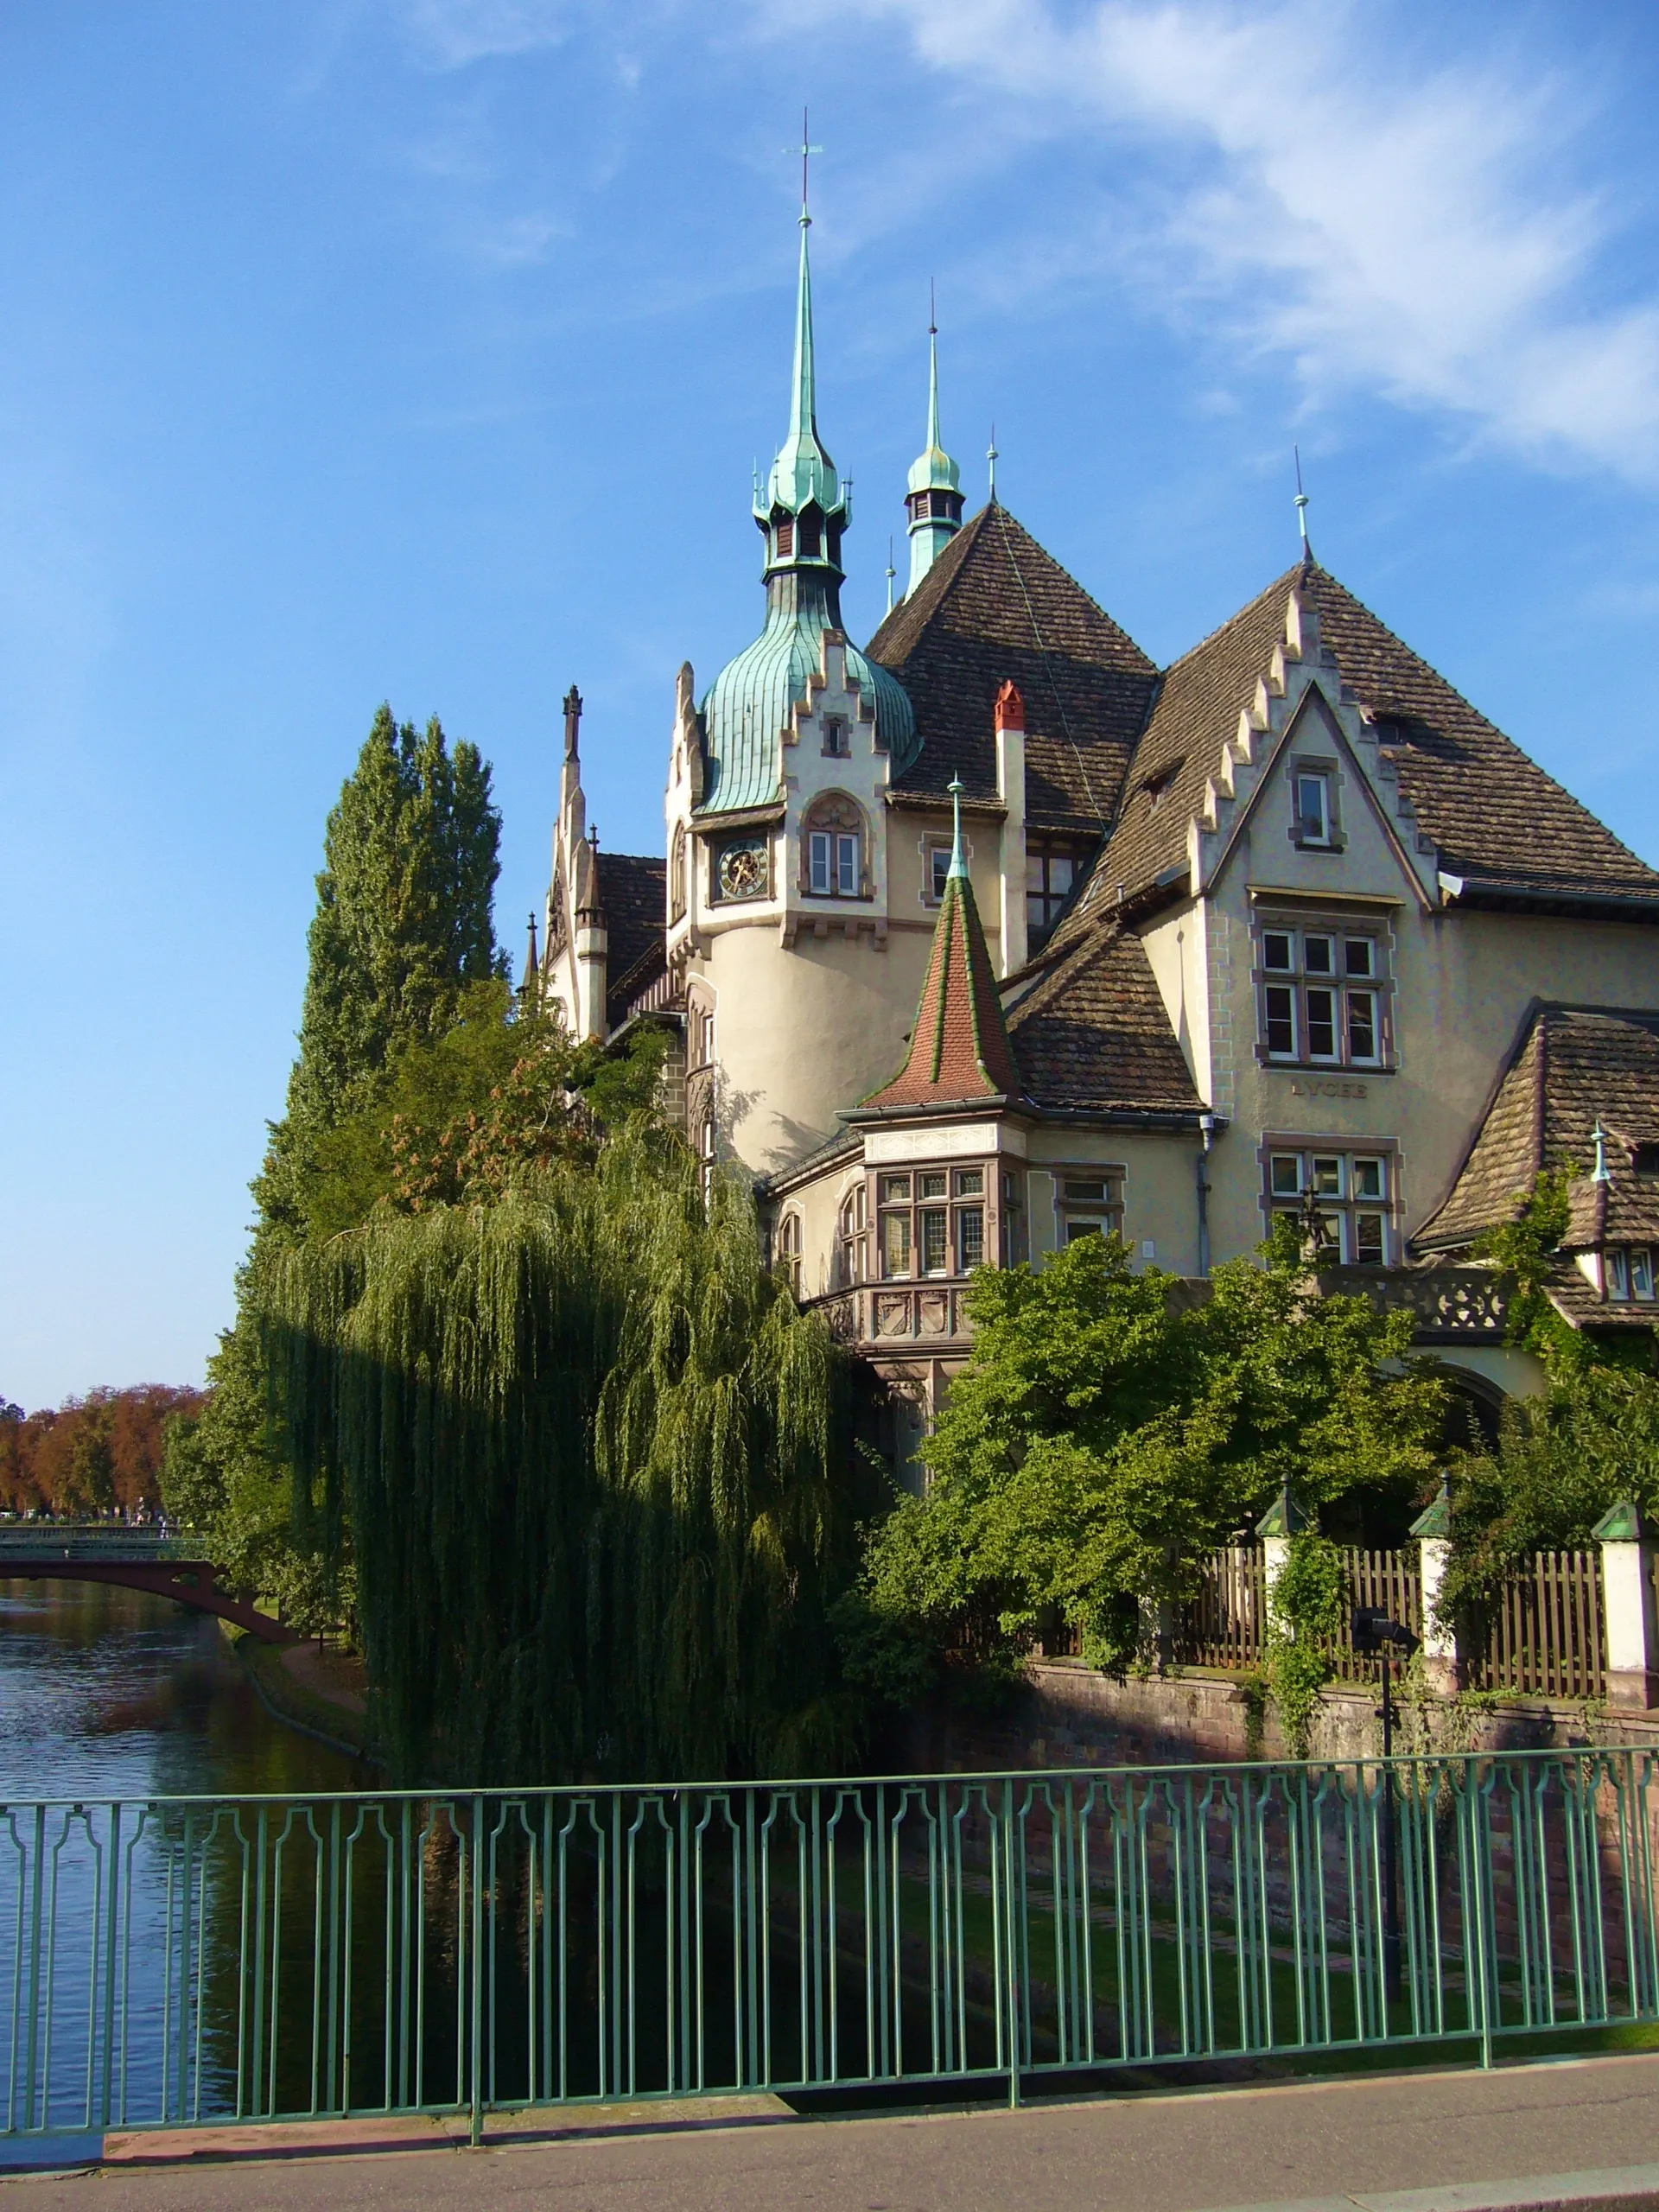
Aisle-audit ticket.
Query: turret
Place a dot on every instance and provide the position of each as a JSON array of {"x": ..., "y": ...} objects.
[{"x": 934, "y": 500}]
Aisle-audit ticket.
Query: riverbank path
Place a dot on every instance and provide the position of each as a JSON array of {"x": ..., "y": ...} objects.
[{"x": 1463, "y": 2138}]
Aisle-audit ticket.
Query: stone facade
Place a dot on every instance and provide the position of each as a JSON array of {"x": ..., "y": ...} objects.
[{"x": 1268, "y": 930}]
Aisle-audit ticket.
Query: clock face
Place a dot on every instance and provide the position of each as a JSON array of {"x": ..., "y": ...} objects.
[{"x": 743, "y": 871}]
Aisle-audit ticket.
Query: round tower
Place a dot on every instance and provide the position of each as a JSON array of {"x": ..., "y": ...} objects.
[{"x": 778, "y": 834}]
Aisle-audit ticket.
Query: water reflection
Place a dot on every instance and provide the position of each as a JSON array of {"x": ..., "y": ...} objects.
[{"x": 107, "y": 1692}]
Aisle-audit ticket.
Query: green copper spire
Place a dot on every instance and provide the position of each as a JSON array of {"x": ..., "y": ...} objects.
[
  {"x": 934, "y": 498},
  {"x": 958, "y": 867},
  {"x": 804, "y": 493},
  {"x": 801, "y": 514}
]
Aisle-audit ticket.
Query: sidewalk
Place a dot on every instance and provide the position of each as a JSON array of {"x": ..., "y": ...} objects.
[{"x": 1283, "y": 2145}]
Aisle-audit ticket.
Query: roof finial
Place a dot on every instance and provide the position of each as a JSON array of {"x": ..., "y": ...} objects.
[
  {"x": 1598, "y": 1138},
  {"x": 958, "y": 867},
  {"x": 572, "y": 723},
  {"x": 891, "y": 573},
  {"x": 990, "y": 461},
  {"x": 806, "y": 151},
  {"x": 1301, "y": 509}
]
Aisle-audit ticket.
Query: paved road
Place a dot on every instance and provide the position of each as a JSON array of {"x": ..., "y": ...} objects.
[{"x": 1162, "y": 2153}]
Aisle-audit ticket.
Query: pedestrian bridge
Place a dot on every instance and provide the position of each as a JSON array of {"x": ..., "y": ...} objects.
[{"x": 143, "y": 1558}]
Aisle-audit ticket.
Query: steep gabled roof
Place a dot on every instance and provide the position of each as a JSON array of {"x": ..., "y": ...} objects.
[
  {"x": 1094, "y": 1032},
  {"x": 1575, "y": 1066},
  {"x": 1497, "y": 820},
  {"x": 995, "y": 607},
  {"x": 959, "y": 1047},
  {"x": 634, "y": 898}
]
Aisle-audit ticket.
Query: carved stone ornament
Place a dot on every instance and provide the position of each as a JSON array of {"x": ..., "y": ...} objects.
[{"x": 740, "y": 869}]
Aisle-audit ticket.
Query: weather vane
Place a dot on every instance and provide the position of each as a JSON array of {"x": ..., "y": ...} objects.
[{"x": 990, "y": 462}]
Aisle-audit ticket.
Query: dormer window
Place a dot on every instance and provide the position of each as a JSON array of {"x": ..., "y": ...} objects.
[
  {"x": 1312, "y": 790},
  {"x": 1629, "y": 1274}
]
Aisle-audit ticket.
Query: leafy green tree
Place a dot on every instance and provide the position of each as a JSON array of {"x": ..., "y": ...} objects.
[
  {"x": 403, "y": 927},
  {"x": 1562, "y": 1459},
  {"x": 598, "y": 1471},
  {"x": 1106, "y": 1434},
  {"x": 401, "y": 953}
]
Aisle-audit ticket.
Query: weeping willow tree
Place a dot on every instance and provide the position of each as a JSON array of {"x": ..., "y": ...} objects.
[{"x": 600, "y": 1472}]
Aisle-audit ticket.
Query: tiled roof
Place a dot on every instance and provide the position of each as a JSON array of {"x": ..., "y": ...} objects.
[
  {"x": 1623, "y": 1210},
  {"x": 1496, "y": 817},
  {"x": 1575, "y": 1066},
  {"x": 959, "y": 1047},
  {"x": 1577, "y": 1301},
  {"x": 995, "y": 607},
  {"x": 634, "y": 898},
  {"x": 1094, "y": 1032}
]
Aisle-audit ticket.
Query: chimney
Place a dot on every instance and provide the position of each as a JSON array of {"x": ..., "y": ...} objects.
[{"x": 1008, "y": 720}]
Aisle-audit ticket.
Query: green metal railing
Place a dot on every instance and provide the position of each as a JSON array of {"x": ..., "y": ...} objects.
[{"x": 184, "y": 1960}]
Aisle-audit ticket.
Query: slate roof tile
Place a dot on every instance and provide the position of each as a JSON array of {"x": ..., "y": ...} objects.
[
  {"x": 1493, "y": 813},
  {"x": 994, "y": 607},
  {"x": 1094, "y": 1032},
  {"x": 1575, "y": 1066},
  {"x": 959, "y": 1047}
]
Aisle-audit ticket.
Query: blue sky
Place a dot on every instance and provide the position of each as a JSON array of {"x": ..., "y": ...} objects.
[{"x": 420, "y": 349}]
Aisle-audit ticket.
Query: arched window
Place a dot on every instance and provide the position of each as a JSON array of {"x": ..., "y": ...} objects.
[
  {"x": 834, "y": 855},
  {"x": 677, "y": 875},
  {"x": 849, "y": 1250},
  {"x": 789, "y": 1250}
]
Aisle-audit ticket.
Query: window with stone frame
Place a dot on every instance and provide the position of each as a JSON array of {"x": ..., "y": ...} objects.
[
  {"x": 1350, "y": 1189},
  {"x": 1089, "y": 1202},
  {"x": 1313, "y": 806},
  {"x": 789, "y": 1250},
  {"x": 834, "y": 857},
  {"x": 1323, "y": 991},
  {"x": 930, "y": 1222},
  {"x": 837, "y": 739},
  {"x": 851, "y": 1231}
]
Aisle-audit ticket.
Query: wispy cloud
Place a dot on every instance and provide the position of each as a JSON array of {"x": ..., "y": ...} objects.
[
  {"x": 451, "y": 34},
  {"x": 1410, "y": 230}
]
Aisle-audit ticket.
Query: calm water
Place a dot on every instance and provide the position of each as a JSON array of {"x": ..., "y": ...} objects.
[{"x": 112, "y": 1694}]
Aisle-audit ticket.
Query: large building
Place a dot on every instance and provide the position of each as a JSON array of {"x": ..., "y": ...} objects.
[{"x": 993, "y": 933}]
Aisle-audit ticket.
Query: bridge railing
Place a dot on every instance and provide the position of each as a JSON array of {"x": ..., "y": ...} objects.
[
  {"x": 182, "y": 1960},
  {"x": 104, "y": 1540}
]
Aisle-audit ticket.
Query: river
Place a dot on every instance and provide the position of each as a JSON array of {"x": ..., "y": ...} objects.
[{"x": 108, "y": 1693}]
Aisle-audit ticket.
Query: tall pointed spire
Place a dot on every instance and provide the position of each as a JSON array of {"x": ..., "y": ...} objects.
[
  {"x": 804, "y": 492},
  {"x": 959, "y": 1049},
  {"x": 934, "y": 498}
]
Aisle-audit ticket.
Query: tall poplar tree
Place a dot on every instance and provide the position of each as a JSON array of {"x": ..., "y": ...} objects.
[
  {"x": 403, "y": 926},
  {"x": 402, "y": 931}
]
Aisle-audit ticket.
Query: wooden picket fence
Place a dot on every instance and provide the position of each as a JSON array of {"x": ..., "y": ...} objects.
[{"x": 1545, "y": 1635}]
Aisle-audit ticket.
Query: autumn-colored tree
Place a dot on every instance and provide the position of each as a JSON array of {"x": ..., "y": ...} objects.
[{"x": 99, "y": 1453}]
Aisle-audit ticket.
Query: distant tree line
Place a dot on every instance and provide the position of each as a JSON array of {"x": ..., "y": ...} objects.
[{"x": 100, "y": 1453}]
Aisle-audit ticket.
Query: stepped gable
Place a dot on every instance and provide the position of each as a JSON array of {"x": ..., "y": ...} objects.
[
  {"x": 1195, "y": 714},
  {"x": 1497, "y": 820},
  {"x": 959, "y": 1047},
  {"x": 1094, "y": 1032},
  {"x": 1574, "y": 1066},
  {"x": 994, "y": 607},
  {"x": 1494, "y": 815}
]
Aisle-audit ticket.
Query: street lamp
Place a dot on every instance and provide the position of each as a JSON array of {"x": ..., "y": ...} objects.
[{"x": 1375, "y": 1636}]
